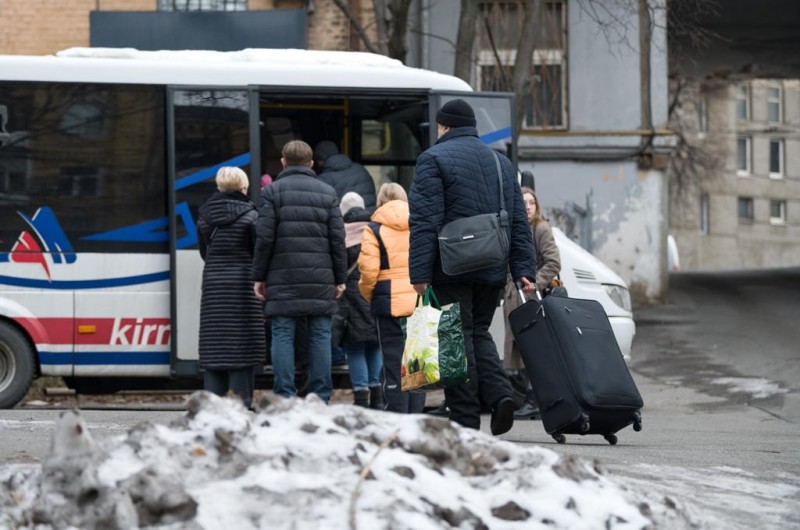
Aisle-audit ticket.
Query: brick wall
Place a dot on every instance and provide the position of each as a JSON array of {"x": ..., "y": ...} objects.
[{"x": 34, "y": 27}]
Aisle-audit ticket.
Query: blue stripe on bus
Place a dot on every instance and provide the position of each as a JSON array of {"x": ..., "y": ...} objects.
[
  {"x": 101, "y": 357},
  {"x": 209, "y": 172},
  {"x": 84, "y": 284},
  {"x": 500, "y": 134}
]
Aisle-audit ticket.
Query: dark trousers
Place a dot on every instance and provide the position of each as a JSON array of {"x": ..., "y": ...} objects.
[
  {"x": 240, "y": 382},
  {"x": 488, "y": 382},
  {"x": 393, "y": 340}
]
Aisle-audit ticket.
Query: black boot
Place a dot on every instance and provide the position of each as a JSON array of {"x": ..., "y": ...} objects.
[
  {"x": 528, "y": 410},
  {"x": 441, "y": 411},
  {"x": 503, "y": 416},
  {"x": 376, "y": 397},
  {"x": 361, "y": 398}
]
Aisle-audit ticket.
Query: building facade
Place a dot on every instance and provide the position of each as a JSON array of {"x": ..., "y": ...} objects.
[{"x": 735, "y": 202}]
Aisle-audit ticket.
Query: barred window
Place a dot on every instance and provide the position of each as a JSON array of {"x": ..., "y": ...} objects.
[
  {"x": 202, "y": 5},
  {"x": 499, "y": 33}
]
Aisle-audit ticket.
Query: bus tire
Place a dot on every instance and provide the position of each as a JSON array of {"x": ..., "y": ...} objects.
[{"x": 17, "y": 365}]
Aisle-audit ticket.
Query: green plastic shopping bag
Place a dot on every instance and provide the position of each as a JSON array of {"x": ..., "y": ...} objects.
[{"x": 434, "y": 356}]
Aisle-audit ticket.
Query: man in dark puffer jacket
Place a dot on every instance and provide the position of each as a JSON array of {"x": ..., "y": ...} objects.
[
  {"x": 343, "y": 174},
  {"x": 457, "y": 178},
  {"x": 300, "y": 267}
]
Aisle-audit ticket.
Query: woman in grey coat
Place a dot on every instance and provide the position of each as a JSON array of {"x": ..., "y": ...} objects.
[
  {"x": 548, "y": 264},
  {"x": 232, "y": 343}
]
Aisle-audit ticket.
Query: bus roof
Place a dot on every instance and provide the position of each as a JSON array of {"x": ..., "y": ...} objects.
[{"x": 266, "y": 67}]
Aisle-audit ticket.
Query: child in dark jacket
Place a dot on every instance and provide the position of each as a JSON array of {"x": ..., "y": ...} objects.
[{"x": 361, "y": 339}]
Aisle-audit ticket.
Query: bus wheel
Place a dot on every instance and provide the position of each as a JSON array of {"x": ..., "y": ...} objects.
[{"x": 17, "y": 366}]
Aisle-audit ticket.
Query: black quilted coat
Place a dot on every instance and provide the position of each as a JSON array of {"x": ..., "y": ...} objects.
[
  {"x": 300, "y": 251},
  {"x": 231, "y": 321},
  {"x": 345, "y": 175},
  {"x": 455, "y": 178}
]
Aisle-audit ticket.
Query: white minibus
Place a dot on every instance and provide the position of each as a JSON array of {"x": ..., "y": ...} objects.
[{"x": 106, "y": 156}]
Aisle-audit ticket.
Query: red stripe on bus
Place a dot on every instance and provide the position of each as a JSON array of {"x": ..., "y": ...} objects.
[{"x": 47, "y": 330}]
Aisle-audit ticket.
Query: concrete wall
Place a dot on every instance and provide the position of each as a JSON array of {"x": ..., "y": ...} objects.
[{"x": 627, "y": 207}]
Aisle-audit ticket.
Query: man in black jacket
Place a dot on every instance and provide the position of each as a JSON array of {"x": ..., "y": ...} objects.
[
  {"x": 300, "y": 267},
  {"x": 456, "y": 178},
  {"x": 337, "y": 170}
]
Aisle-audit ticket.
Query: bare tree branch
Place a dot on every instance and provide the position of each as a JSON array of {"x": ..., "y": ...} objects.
[
  {"x": 342, "y": 4},
  {"x": 521, "y": 78}
]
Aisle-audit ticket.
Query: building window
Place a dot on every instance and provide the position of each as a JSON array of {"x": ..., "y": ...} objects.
[
  {"x": 202, "y": 5},
  {"x": 743, "y": 101},
  {"x": 776, "y": 158},
  {"x": 743, "y": 156},
  {"x": 704, "y": 214},
  {"x": 702, "y": 115},
  {"x": 774, "y": 103},
  {"x": 499, "y": 36},
  {"x": 746, "y": 209},
  {"x": 777, "y": 212}
]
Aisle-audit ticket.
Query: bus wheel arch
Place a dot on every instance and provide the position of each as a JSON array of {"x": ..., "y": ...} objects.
[{"x": 18, "y": 364}]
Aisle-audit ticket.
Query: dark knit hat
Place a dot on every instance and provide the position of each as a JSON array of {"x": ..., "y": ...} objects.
[
  {"x": 325, "y": 149},
  {"x": 456, "y": 113}
]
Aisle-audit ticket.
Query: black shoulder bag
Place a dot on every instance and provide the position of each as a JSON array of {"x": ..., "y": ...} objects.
[{"x": 476, "y": 242}]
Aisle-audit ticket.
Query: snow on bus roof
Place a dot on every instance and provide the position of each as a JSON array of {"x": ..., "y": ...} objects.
[{"x": 282, "y": 67}]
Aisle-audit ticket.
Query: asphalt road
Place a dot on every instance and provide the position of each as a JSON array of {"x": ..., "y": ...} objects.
[{"x": 718, "y": 369}]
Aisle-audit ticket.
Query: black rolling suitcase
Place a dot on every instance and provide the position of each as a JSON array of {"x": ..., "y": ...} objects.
[{"x": 578, "y": 374}]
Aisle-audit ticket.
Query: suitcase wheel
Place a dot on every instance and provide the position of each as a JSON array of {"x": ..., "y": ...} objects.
[
  {"x": 585, "y": 426},
  {"x": 560, "y": 438},
  {"x": 637, "y": 422},
  {"x": 611, "y": 438}
]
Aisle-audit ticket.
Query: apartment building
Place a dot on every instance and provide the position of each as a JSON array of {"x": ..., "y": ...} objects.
[{"x": 735, "y": 197}]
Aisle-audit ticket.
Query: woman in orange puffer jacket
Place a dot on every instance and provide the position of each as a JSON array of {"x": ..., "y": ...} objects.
[{"x": 385, "y": 283}]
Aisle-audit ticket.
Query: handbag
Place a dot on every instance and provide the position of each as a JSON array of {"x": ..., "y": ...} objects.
[
  {"x": 434, "y": 355},
  {"x": 476, "y": 242}
]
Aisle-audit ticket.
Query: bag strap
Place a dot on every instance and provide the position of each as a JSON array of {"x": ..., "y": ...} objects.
[
  {"x": 503, "y": 213},
  {"x": 429, "y": 298}
]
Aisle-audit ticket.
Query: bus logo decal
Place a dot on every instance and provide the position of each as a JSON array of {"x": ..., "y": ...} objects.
[
  {"x": 52, "y": 242},
  {"x": 153, "y": 231},
  {"x": 140, "y": 332}
]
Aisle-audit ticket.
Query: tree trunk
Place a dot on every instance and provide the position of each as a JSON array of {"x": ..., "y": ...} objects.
[
  {"x": 521, "y": 78},
  {"x": 467, "y": 22},
  {"x": 380, "y": 25},
  {"x": 398, "y": 39}
]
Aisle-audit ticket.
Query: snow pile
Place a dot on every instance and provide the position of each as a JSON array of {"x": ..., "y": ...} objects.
[
  {"x": 303, "y": 464},
  {"x": 289, "y": 56}
]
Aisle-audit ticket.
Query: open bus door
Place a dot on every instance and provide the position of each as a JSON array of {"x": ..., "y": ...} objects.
[
  {"x": 207, "y": 128},
  {"x": 494, "y": 112}
]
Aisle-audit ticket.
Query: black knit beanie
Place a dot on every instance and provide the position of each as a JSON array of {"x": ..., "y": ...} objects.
[{"x": 456, "y": 113}]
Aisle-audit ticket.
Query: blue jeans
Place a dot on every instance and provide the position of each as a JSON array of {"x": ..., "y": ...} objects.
[
  {"x": 365, "y": 364},
  {"x": 319, "y": 356}
]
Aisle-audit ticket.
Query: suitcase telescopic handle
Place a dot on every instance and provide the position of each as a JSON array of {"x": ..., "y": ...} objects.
[{"x": 521, "y": 293}]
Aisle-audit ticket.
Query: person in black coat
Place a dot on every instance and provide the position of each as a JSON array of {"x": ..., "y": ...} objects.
[
  {"x": 337, "y": 170},
  {"x": 455, "y": 178},
  {"x": 232, "y": 345},
  {"x": 300, "y": 267}
]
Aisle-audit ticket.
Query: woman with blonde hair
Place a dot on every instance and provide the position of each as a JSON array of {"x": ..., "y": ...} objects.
[
  {"x": 232, "y": 343},
  {"x": 385, "y": 283},
  {"x": 548, "y": 265}
]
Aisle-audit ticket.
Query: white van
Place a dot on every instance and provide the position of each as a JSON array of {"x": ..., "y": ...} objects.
[{"x": 587, "y": 277}]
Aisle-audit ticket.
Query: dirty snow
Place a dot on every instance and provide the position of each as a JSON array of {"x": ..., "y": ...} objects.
[
  {"x": 302, "y": 464},
  {"x": 758, "y": 388}
]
